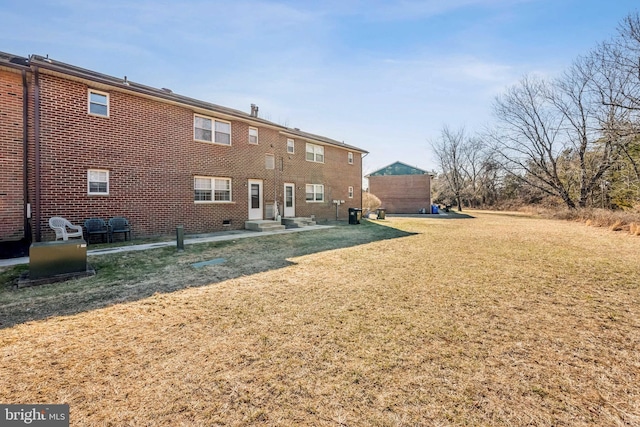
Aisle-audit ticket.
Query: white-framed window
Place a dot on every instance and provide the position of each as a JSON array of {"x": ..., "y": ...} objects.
[
  {"x": 98, "y": 182},
  {"x": 291, "y": 146},
  {"x": 350, "y": 157},
  {"x": 315, "y": 193},
  {"x": 269, "y": 161},
  {"x": 350, "y": 192},
  {"x": 210, "y": 189},
  {"x": 253, "y": 135},
  {"x": 98, "y": 103},
  {"x": 211, "y": 130},
  {"x": 315, "y": 153}
]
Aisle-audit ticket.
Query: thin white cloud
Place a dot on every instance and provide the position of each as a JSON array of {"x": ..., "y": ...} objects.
[
  {"x": 391, "y": 107},
  {"x": 306, "y": 64},
  {"x": 398, "y": 10}
]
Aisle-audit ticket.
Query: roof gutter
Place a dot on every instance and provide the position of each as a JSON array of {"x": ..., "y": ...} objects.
[
  {"x": 25, "y": 156},
  {"x": 198, "y": 106},
  {"x": 201, "y": 106},
  {"x": 322, "y": 141},
  {"x": 36, "y": 136}
]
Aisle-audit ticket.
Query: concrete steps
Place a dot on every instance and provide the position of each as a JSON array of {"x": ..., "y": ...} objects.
[
  {"x": 263, "y": 225},
  {"x": 297, "y": 222}
]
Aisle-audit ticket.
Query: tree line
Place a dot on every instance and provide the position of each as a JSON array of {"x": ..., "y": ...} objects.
[{"x": 573, "y": 140}]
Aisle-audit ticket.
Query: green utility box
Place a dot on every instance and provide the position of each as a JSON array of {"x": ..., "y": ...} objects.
[{"x": 47, "y": 259}]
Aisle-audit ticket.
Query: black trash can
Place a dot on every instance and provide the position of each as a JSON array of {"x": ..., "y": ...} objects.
[
  {"x": 381, "y": 213},
  {"x": 355, "y": 215}
]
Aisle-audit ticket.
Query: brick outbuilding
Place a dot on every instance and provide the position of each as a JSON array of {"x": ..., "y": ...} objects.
[
  {"x": 80, "y": 144},
  {"x": 401, "y": 188}
]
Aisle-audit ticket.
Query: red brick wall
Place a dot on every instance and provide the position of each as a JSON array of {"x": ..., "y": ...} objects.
[
  {"x": 11, "y": 152},
  {"x": 336, "y": 174},
  {"x": 152, "y": 158},
  {"x": 402, "y": 193}
]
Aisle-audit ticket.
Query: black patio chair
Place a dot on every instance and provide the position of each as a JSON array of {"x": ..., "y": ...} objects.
[
  {"x": 119, "y": 225},
  {"x": 96, "y": 226}
]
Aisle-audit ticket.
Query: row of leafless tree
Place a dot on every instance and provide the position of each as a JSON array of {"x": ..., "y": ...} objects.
[{"x": 575, "y": 138}]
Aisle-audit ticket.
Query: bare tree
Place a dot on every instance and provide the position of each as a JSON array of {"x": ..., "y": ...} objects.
[
  {"x": 617, "y": 83},
  {"x": 490, "y": 180},
  {"x": 528, "y": 139},
  {"x": 562, "y": 134},
  {"x": 591, "y": 129},
  {"x": 474, "y": 160},
  {"x": 449, "y": 150},
  {"x": 569, "y": 138},
  {"x": 619, "y": 66}
]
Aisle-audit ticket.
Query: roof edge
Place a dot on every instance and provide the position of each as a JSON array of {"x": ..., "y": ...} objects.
[
  {"x": 424, "y": 172},
  {"x": 14, "y": 61},
  {"x": 47, "y": 63}
]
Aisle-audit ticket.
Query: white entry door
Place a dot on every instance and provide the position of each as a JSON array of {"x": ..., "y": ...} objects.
[
  {"x": 255, "y": 199},
  {"x": 289, "y": 200}
]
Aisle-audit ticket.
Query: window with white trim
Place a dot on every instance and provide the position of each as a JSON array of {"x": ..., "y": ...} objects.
[
  {"x": 98, "y": 182},
  {"x": 209, "y": 189},
  {"x": 350, "y": 192},
  {"x": 211, "y": 130},
  {"x": 315, "y": 153},
  {"x": 98, "y": 103},
  {"x": 253, "y": 135},
  {"x": 315, "y": 193},
  {"x": 290, "y": 146},
  {"x": 350, "y": 157}
]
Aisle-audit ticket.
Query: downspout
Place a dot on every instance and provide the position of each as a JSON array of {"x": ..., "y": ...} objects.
[
  {"x": 25, "y": 156},
  {"x": 36, "y": 135}
]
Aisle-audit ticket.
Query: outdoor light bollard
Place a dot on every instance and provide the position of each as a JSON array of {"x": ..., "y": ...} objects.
[{"x": 180, "y": 237}]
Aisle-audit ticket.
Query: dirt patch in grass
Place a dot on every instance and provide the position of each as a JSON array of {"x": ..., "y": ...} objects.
[{"x": 499, "y": 320}]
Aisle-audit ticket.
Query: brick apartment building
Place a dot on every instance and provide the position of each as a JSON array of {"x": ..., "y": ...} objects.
[
  {"x": 79, "y": 144},
  {"x": 401, "y": 188}
]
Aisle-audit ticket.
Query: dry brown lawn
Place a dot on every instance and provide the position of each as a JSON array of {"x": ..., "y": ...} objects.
[{"x": 499, "y": 320}]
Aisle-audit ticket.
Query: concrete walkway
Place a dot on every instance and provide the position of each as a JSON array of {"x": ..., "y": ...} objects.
[{"x": 189, "y": 240}]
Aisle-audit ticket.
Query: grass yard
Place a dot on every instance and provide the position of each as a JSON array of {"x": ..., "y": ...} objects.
[{"x": 497, "y": 320}]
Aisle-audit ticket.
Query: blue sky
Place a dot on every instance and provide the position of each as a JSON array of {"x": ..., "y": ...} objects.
[{"x": 381, "y": 75}]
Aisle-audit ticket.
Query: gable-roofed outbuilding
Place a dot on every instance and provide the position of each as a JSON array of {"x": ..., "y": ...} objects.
[
  {"x": 401, "y": 188},
  {"x": 398, "y": 168}
]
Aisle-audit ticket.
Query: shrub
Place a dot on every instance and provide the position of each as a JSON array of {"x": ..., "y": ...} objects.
[
  {"x": 370, "y": 203},
  {"x": 614, "y": 220}
]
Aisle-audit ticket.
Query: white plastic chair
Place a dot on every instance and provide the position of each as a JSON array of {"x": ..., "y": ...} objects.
[{"x": 60, "y": 226}]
